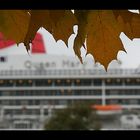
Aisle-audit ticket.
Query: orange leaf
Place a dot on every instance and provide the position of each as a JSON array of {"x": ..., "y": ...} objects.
[
  {"x": 103, "y": 40},
  {"x": 14, "y": 24},
  {"x": 59, "y": 23}
]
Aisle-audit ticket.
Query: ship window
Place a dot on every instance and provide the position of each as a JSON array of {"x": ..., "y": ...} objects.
[
  {"x": 97, "y": 82},
  {"x": 62, "y": 102},
  {"x": 129, "y": 118},
  {"x": 111, "y": 101},
  {"x": 2, "y": 59},
  {"x": 46, "y": 112},
  {"x": 8, "y": 112},
  {"x": 133, "y": 101}
]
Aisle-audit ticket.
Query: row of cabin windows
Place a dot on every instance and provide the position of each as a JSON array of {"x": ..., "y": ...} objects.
[
  {"x": 70, "y": 92},
  {"x": 50, "y": 82},
  {"x": 23, "y": 125},
  {"x": 123, "y": 101},
  {"x": 45, "y": 102},
  {"x": 50, "y": 92},
  {"x": 70, "y": 82},
  {"x": 123, "y": 92},
  {"x": 127, "y": 81},
  {"x": 24, "y": 111}
]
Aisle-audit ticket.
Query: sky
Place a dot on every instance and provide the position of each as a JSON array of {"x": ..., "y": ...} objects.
[{"x": 131, "y": 59}]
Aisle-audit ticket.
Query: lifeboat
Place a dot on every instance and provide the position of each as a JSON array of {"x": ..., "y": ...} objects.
[{"x": 107, "y": 109}]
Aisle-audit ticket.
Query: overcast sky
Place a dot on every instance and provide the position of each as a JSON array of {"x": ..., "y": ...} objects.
[{"x": 129, "y": 60}]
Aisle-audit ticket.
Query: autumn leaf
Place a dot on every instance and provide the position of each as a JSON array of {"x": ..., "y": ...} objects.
[
  {"x": 101, "y": 30},
  {"x": 56, "y": 15},
  {"x": 129, "y": 22},
  {"x": 103, "y": 40},
  {"x": 59, "y": 23},
  {"x": 64, "y": 27},
  {"x": 14, "y": 24},
  {"x": 38, "y": 19},
  {"x": 81, "y": 16}
]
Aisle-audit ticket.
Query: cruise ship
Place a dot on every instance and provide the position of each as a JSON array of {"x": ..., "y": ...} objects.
[{"x": 32, "y": 86}]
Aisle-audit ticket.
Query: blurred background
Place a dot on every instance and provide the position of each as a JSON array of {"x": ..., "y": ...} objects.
[{"x": 35, "y": 87}]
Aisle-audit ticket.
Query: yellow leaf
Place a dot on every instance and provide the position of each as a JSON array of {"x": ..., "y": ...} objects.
[
  {"x": 81, "y": 16},
  {"x": 56, "y": 15},
  {"x": 14, "y": 24},
  {"x": 39, "y": 18},
  {"x": 103, "y": 40},
  {"x": 64, "y": 26},
  {"x": 59, "y": 23},
  {"x": 130, "y": 22},
  {"x": 101, "y": 30}
]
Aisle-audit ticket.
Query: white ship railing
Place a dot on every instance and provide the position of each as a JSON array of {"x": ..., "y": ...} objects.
[{"x": 61, "y": 72}]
